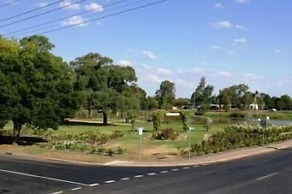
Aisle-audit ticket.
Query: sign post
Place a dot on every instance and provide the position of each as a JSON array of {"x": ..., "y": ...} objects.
[
  {"x": 140, "y": 132},
  {"x": 190, "y": 129}
]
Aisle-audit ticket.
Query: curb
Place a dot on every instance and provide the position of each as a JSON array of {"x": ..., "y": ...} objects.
[{"x": 235, "y": 154}]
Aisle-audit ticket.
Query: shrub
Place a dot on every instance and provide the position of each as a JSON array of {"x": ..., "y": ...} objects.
[
  {"x": 185, "y": 118},
  {"x": 237, "y": 136},
  {"x": 157, "y": 118},
  {"x": 89, "y": 142},
  {"x": 167, "y": 133}
]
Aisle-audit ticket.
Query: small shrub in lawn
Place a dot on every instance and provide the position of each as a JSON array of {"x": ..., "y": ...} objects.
[
  {"x": 167, "y": 133},
  {"x": 182, "y": 151},
  {"x": 110, "y": 151},
  {"x": 120, "y": 150},
  {"x": 116, "y": 135},
  {"x": 100, "y": 150}
]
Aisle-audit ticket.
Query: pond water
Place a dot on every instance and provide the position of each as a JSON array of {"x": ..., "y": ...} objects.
[{"x": 251, "y": 121}]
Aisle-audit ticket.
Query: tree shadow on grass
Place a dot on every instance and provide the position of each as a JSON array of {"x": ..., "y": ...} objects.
[
  {"x": 85, "y": 123},
  {"x": 23, "y": 141}
]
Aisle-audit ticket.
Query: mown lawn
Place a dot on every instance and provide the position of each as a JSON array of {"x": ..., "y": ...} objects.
[{"x": 130, "y": 140}]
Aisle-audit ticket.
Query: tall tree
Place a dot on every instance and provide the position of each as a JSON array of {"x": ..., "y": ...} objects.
[
  {"x": 40, "y": 85},
  {"x": 165, "y": 95},
  {"x": 104, "y": 85},
  {"x": 202, "y": 96},
  {"x": 235, "y": 95},
  {"x": 286, "y": 101}
]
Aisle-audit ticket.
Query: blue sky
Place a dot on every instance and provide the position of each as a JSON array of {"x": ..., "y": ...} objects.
[{"x": 228, "y": 41}]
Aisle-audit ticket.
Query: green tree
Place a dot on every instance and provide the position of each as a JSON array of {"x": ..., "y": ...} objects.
[
  {"x": 181, "y": 102},
  {"x": 39, "y": 86},
  {"x": 202, "y": 96},
  {"x": 186, "y": 117},
  {"x": 235, "y": 95},
  {"x": 286, "y": 102},
  {"x": 151, "y": 103},
  {"x": 165, "y": 95},
  {"x": 157, "y": 118},
  {"x": 105, "y": 86},
  {"x": 225, "y": 98}
]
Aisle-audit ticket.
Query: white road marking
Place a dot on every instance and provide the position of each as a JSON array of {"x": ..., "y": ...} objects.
[
  {"x": 151, "y": 174},
  {"x": 125, "y": 179},
  {"x": 195, "y": 166},
  {"x": 186, "y": 167},
  {"x": 138, "y": 176},
  {"x": 94, "y": 185},
  {"x": 163, "y": 172},
  {"x": 175, "y": 169},
  {"x": 109, "y": 182},
  {"x": 43, "y": 177},
  {"x": 77, "y": 188},
  {"x": 58, "y": 192},
  {"x": 267, "y": 176}
]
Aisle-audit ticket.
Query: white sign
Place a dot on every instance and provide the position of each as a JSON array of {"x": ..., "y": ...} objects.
[
  {"x": 191, "y": 128},
  {"x": 140, "y": 130}
]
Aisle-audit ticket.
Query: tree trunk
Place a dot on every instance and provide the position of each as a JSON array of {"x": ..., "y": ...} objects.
[
  {"x": 89, "y": 113},
  {"x": 16, "y": 130},
  {"x": 104, "y": 115}
]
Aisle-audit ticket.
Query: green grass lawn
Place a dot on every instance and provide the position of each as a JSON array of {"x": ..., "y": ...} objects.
[{"x": 130, "y": 140}]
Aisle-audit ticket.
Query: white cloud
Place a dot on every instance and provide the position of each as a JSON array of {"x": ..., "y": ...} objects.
[
  {"x": 67, "y": 4},
  {"x": 93, "y": 6},
  {"x": 251, "y": 76},
  {"x": 146, "y": 66},
  {"x": 224, "y": 24},
  {"x": 224, "y": 50},
  {"x": 241, "y": 1},
  {"x": 149, "y": 55},
  {"x": 225, "y": 74},
  {"x": 164, "y": 71},
  {"x": 124, "y": 63},
  {"x": 42, "y": 4},
  {"x": 196, "y": 70},
  {"x": 154, "y": 78},
  {"x": 279, "y": 51},
  {"x": 184, "y": 83},
  {"x": 239, "y": 40},
  {"x": 218, "y": 6},
  {"x": 74, "y": 20},
  {"x": 240, "y": 27}
]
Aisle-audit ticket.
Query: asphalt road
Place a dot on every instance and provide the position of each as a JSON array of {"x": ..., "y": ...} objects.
[{"x": 263, "y": 174}]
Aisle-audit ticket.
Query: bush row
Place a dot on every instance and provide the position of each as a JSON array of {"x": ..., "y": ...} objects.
[
  {"x": 238, "y": 136},
  {"x": 89, "y": 142},
  {"x": 80, "y": 146}
]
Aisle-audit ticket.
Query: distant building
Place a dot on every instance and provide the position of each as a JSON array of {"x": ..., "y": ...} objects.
[{"x": 254, "y": 106}]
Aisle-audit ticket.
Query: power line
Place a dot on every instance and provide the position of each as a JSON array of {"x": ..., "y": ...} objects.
[
  {"x": 40, "y": 14},
  {"x": 45, "y": 25},
  {"x": 107, "y": 16},
  {"x": 30, "y": 11},
  {"x": 9, "y": 3},
  {"x": 63, "y": 18}
]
